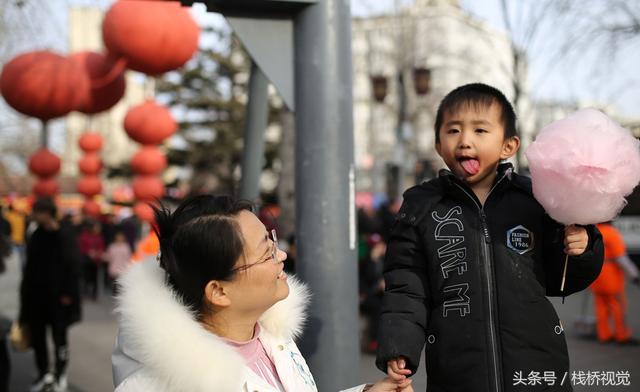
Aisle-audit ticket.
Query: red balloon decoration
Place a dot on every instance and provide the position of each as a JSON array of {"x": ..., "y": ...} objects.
[
  {"x": 105, "y": 84},
  {"x": 91, "y": 208},
  {"x": 144, "y": 212},
  {"x": 43, "y": 84},
  {"x": 46, "y": 188},
  {"x": 148, "y": 188},
  {"x": 148, "y": 160},
  {"x": 149, "y": 123},
  {"x": 44, "y": 163},
  {"x": 89, "y": 186},
  {"x": 90, "y": 142},
  {"x": 90, "y": 164},
  {"x": 153, "y": 36}
]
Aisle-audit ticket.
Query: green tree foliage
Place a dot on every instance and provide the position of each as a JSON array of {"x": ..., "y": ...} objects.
[{"x": 208, "y": 96}]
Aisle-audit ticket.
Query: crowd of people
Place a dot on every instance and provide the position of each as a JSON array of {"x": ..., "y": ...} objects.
[{"x": 64, "y": 258}]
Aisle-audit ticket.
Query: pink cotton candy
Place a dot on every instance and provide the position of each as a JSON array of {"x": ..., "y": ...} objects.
[{"x": 583, "y": 166}]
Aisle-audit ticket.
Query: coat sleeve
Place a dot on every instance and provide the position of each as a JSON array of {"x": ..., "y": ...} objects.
[
  {"x": 581, "y": 270},
  {"x": 404, "y": 306}
]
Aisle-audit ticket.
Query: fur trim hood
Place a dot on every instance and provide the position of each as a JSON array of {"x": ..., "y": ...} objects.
[{"x": 162, "y": 334}]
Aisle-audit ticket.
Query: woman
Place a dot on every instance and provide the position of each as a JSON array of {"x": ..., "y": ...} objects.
[{"x": 218, "y": 313}]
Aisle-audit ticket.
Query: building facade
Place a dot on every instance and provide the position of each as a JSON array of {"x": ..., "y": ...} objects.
[
  {"x": 85, "y": 33},
  {"x": 455, "y": 48}
]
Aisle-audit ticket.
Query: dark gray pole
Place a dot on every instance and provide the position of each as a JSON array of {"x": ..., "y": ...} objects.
[
  {"x": 255, "y": 125},
  {"x": 44, "y": 136},
  {"x": 325, "y": 216}
]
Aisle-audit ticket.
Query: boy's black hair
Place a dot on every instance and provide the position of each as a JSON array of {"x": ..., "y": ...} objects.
[
  {"x": 478, "y": 95},
  {"x": 200, "y": 241},
  {"x": 45, "y": 205}
]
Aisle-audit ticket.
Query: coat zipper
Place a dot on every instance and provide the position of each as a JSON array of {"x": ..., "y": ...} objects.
[{"x": 489, "y": 277}]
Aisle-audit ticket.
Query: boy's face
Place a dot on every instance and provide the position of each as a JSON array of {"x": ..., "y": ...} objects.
[{"x": 472, "y": 143}]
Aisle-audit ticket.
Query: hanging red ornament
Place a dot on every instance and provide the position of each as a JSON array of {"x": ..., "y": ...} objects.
[
  {"x": 44, "y": 163},
  {"x": 144, "y": 211},
  {"x": 148, "y": 160},
  {"x": 90, "y": 164},
  {"x": 148, "y": 188},
  {"x": 91, "y": 208},
  {"x": 105, "y": 84},
  {"x": 149, "y": 123},
  {"x": 43, "y": 84},
  {"x": 153, "y": 36},
  {"x": 89, "y": 186},
  {"x": 90, "y": 142},
  {"x": 47, "y": 187}
]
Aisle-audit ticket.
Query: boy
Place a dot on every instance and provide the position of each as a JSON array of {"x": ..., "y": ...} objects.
[{"x": 470, "y": 259}]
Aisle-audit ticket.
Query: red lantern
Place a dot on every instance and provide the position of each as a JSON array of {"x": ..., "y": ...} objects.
[
  {"x": 46, "y": 188},
  {"x": 90, "y": 142},
  {"x": 149, "y": 123},
  {"x": 90, "y": 164},
  {"x": 144, "y": 212},
  {"x": 105, "y": 85},
  {"x": 91, "y": 208},
  {"x": 42, "y": 84},
  {"x": 154, "y": 37},
  {"x": 44, "y": 163},
  {"x": 148, "y": 160},
  {"x": 148, "y": 188},
  {"x": 89, "y": 186}
]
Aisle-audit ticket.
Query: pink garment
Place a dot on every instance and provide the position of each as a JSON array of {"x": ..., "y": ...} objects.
[
  {"x": 257, "y": 359},
  {"x": 118, "y": 256}
]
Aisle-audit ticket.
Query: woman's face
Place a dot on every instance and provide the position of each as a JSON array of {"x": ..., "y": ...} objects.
[{"x": 260, "y": 281}]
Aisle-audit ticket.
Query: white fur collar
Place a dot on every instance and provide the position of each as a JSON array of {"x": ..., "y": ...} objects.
[{"x": 162, "y": 334}]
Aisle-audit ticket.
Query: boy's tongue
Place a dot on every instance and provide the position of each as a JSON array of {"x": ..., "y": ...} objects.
[{"x": 471, "y": 166}]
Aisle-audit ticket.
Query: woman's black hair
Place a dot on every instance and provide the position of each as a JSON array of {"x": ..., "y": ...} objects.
[{"x": 200, "y": 241}]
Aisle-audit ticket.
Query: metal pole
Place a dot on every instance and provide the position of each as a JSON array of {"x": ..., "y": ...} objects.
[
  {"x": 400, "y": 150},
  {"x": 325, "y": 208},
  {"x": 44, "y": 136},
  {"x": 255, "y": 125}
]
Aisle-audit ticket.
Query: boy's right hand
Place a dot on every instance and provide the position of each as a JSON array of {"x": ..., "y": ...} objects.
[{"x": 396, "y": 369}]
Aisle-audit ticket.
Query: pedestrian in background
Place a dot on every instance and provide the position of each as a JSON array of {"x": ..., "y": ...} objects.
[
  {"x": 608, "y": 290},
  {"x": 49, "y": 293},
  {"x": 17, "y": 223},
  {"x": 5, "y": 320},
  {"x": 92, "y": 249},
  {"x": 118, "y": 257}
]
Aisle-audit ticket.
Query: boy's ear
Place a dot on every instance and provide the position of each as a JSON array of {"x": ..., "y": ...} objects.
[
  {"x": 439, "y": 148},
  {"x": 216, "y": 294},
  {"x": 510, "y": 147}
]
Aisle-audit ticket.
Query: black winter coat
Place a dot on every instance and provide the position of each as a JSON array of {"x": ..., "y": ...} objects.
[
  {"x": 472, "y": 282},
  {"x": 51, "y": 271}
]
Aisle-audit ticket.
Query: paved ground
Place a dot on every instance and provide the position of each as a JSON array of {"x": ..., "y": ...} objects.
[{"x": 91, "y": 342}]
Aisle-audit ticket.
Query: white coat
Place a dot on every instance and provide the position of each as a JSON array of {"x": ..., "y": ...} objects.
[{"x": 162, "y": 348}]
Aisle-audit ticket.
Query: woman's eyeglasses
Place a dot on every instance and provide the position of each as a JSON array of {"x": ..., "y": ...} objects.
[{"x": 273, "y": 256}]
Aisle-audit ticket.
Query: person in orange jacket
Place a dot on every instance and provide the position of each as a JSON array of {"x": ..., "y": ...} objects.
[
  {"x": 148, "y": 246},
  {"x": 608, "y": 289}
]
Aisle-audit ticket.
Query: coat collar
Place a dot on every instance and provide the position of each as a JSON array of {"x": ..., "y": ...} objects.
[{"x": 161, "y": 333}]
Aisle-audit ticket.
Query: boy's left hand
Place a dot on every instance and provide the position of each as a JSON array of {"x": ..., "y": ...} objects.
[{"x": 576, "y": 240}]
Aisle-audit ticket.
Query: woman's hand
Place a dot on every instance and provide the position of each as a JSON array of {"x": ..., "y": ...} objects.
[{"x": 388, "y": 385}]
